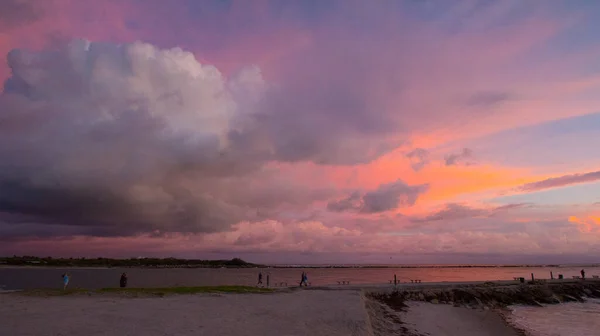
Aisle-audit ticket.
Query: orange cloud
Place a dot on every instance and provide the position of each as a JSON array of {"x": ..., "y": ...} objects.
[
  {"x": 446, "y": 182},
  {"x": 588, "y": 224}
]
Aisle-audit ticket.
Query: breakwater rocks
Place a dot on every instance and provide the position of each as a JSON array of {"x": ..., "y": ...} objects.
[{"x": 491, "y": 295}]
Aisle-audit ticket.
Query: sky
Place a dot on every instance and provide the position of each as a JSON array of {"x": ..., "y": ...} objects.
[{"x": 415, "y": 131}]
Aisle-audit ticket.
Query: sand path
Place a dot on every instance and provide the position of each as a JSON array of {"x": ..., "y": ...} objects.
[{"x": 315, "y": 313}]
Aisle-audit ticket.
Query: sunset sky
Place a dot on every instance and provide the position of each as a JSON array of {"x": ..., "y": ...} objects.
[{"x": 416, "y": 131}]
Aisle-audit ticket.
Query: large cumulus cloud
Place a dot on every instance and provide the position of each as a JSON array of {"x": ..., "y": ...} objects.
[
  {"x": 126, "y": 137},
  {"x": 111, "y": 139}
]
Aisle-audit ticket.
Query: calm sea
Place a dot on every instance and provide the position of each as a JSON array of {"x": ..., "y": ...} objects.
[
  {"x": 567, "y": 319},
  {"x": 580, "y": 319},
  {"x": 93, "y": 278}
]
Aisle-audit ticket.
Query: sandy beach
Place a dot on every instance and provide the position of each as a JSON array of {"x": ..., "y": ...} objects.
[
  {"x": 300, "y": 312},
  {"x": 319, "y": 313}
]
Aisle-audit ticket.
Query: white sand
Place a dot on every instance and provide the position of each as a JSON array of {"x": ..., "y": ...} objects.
[
  {"x": 312, "y": 312},
  {"x": 446, "y": 320}
]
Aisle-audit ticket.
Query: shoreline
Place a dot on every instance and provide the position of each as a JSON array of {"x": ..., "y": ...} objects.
[{"x": 506, "y": 315}]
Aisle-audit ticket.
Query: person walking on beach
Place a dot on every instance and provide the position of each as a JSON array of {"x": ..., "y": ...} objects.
[
  {"x": 123, "y": 281},
  {"x": 583, "y": 274},
  {"x": 65, "y": 277},
  {"x": 259, "y": 278},
  {"x": 304, "y": 279}
]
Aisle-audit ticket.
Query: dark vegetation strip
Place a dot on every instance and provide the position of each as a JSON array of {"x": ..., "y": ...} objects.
[{"x": 132, "y": 262}]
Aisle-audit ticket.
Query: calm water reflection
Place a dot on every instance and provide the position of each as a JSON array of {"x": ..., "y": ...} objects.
[{"x": 27, "y": 278}]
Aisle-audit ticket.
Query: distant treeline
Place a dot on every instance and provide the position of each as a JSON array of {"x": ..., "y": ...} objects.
[
  {"x": 133, "y": 262},
  {"x": 427, "y": 266}
]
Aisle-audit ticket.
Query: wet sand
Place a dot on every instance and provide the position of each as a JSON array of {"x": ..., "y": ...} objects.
[
  {"x": 427, "y": 319},
  {"x": 446, "y": 320}
]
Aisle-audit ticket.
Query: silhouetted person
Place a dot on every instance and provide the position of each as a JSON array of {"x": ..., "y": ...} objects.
[
  {"x": 304, "y": 279},
  {"x": 259, "y": 278},
  {"x": 583, "y": 274},
  {"x": 123, "y": 281}
]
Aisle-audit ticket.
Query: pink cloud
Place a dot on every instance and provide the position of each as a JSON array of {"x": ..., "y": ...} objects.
[
  {"x": 345, "y": 105},
  {"x": 533, "y": 238},
  {"x": 589, "y": 224}
]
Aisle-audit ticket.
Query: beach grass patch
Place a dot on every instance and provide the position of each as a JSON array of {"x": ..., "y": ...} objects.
[
  {"x": 52, "y": 292},
  {"x": 147, "y": 291},
  {"x": 188, "y": 290}
]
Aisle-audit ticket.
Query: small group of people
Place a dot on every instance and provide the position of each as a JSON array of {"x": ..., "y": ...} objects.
[
  {"x": 66, "y": 278},
  {"x": 260, "y": 277},
  {"x": 303, "y": 279}
]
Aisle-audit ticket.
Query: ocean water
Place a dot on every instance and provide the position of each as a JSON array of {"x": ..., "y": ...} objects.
[
  {"x": 567, "y": 319},
  {"x": 93, "y": 278}
]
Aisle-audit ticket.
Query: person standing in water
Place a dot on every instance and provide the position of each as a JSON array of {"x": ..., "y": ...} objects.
[
  {"x": 123, "y": 281},
  {"x": 583, "y": 274},
  {"x": 259, "y": 279},
  {"x": 65, "y": 277}
]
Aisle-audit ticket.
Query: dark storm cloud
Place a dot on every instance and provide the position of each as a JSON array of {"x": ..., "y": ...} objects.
[
  {"x": 11, "y": 231},
  {"x": 389, "y": 196},
  {"x": 110, "y": 212},
  {"x": 561, "y": 181}
]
